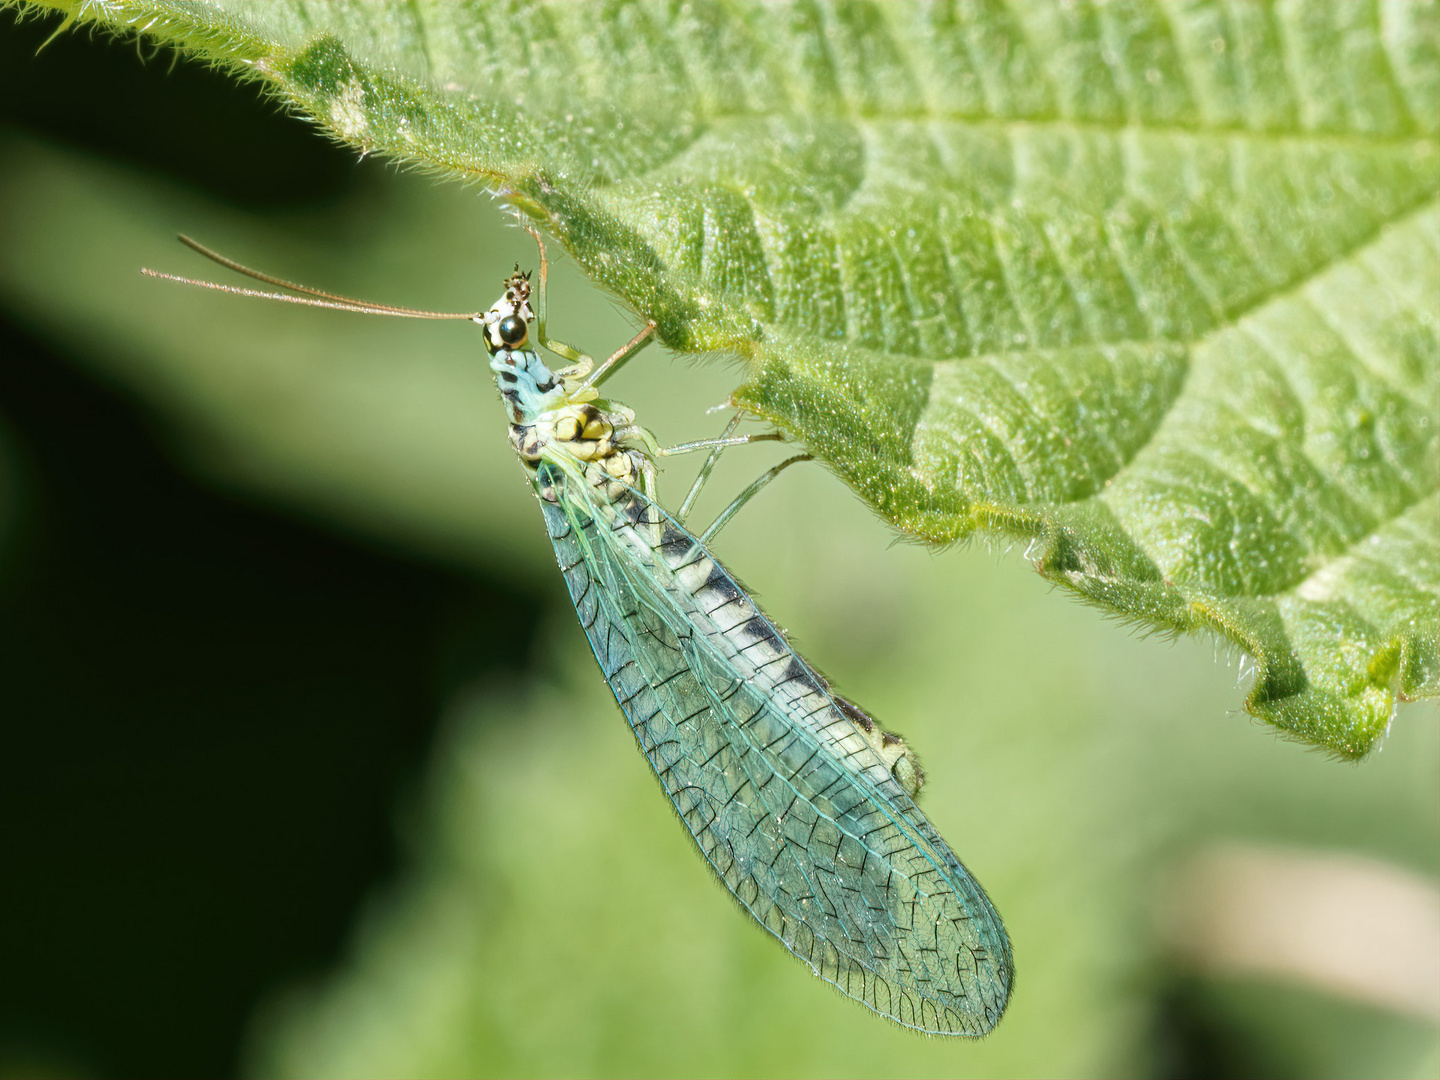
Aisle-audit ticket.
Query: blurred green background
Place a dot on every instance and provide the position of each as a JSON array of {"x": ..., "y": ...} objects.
[{"x": 308, "y": 769}]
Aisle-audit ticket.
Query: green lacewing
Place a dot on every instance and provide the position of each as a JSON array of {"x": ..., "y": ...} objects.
[{"x": 801, "y": 804}]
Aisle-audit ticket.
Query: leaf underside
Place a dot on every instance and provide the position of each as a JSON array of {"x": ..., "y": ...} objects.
[{"x": 1154, "y": 286}]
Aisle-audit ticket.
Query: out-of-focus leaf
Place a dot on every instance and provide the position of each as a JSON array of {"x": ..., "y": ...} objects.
[{"x": 1153, "y": 287}]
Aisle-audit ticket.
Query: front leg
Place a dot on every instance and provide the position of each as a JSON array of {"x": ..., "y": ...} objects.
[{"x": 581, "y": 365}]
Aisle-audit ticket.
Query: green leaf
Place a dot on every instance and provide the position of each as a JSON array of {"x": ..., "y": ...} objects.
[{"x": 1151, "y": 286}]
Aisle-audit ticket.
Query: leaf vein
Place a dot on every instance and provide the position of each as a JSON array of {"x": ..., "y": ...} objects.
[{"x": 1362, "y": 360}]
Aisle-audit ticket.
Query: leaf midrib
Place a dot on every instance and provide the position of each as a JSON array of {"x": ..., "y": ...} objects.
[{"x": 1223, "y": 319}]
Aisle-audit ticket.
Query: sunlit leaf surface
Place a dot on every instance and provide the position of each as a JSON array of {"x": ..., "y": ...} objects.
[{"x": 1150, "y": 286}]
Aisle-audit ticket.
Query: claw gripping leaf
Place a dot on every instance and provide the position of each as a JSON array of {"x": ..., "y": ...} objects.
[{"x": 1152, "y": 286}]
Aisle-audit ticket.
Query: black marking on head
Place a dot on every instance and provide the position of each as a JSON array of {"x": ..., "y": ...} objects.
[{"x": 517, "y": 286}]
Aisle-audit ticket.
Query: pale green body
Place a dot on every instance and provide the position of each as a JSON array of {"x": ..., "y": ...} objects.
[{"x": 801, "y": 804}]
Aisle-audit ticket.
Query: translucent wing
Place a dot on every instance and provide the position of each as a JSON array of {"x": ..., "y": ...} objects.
[{"x": 795, "y": 811}]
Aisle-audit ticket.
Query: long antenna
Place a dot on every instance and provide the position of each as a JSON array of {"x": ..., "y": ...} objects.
[{"x": 325, "y": 299}]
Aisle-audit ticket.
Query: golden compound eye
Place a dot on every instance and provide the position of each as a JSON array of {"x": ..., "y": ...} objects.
[{"x": 512, "y": 330}]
